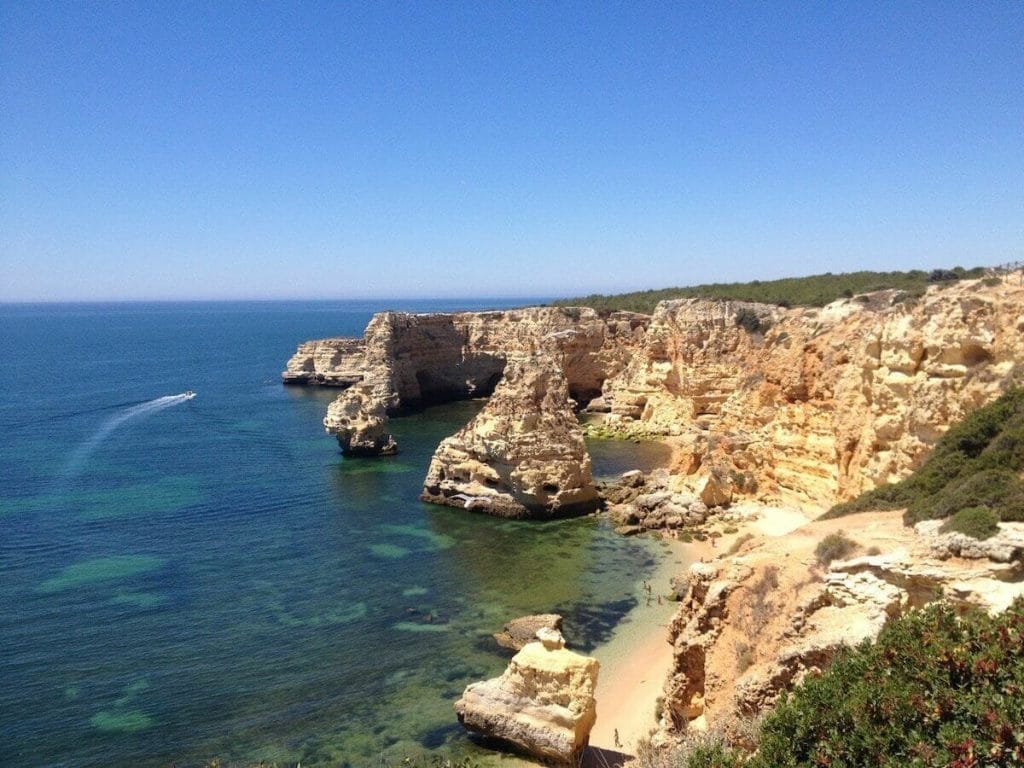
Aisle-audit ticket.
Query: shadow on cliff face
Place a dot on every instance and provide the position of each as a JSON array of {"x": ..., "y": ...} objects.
[{"x": 588, "y": 626}]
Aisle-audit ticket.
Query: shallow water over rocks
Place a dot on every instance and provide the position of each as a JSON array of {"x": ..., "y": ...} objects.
[{"x": 215, "y": 580}]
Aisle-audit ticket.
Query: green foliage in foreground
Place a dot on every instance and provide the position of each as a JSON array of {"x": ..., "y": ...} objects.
[
  {"x": 811, "y": 291},
  {"x": 977, "y": 463},
  {"x": 934, "y": 690}
]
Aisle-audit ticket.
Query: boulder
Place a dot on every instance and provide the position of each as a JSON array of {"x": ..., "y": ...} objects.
[
  {"x": 522, "y": 456},
  {"x": 543, "y": 704},
  {"x": 518, "y": 632},
  {"x": 717, "y": 491}
]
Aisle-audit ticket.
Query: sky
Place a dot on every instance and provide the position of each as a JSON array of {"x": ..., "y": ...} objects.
[{"x": 176, "y": 150}]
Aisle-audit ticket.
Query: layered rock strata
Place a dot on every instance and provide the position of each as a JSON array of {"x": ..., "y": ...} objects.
[
  {"x": 805, "y": 405},
  {"x": 543, "y": 704},
  {"x": 817, "y": 405},
  {"x": 523, "y": 455},
  {"x": 326, "y": 362}
]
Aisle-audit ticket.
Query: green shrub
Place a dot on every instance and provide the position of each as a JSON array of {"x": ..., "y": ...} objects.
[
  {"x": 934, "y": 690},
  {"x": 988, "y": 488},
  {"x": 976, "y": 463},
  {"x": 976, "y": 522},
  {"x": 835, "y": 546},
  {"x": 750, "y": 321}
]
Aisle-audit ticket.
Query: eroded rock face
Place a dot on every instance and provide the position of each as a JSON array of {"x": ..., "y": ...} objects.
[
  {"x": 437, "y": 357},
  {"x": 326, "y": 362},
  {"x": 752, "y": 626},
  {"x": 409, "y": 360},
  {"x": 543, "y": 704},
  {"x": 358, "y": 418},
  {"x": 523, "y": 455},
  {"x": 818, "y": 405}
]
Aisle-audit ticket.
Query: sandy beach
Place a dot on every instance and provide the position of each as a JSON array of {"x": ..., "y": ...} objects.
[{"x": 636, "y": 660}]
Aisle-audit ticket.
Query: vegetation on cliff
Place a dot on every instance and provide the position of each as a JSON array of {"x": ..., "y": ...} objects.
[
  {"x": 977, "y": 463},
  {"x": 935, "y": 689},
  {"x": 811, "y": 291}
]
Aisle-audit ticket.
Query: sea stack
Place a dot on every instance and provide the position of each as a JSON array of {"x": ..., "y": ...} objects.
[
  {"x": 543, "y": 704},
  {"x": 358, "y": 418},
  {"x": 523, "y": 455}
]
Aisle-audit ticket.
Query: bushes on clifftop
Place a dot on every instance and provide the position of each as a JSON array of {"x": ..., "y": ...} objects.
[
  {"x": 978, "y": 462},
  {"x": 810, "y": 291},
  {"x": 935, "y": 689}
]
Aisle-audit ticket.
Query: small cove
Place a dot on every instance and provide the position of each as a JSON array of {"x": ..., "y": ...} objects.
[{"x": 216, "y": 581}]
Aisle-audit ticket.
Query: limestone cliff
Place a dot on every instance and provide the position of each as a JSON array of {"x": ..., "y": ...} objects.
[
  {"x": 818, "y": 405},
  {"x": 409, "y": 360},
  {"x": 326, "y": 362},
  {"x": 436, "y": 357},
  {"x": 523, "y": 455}
]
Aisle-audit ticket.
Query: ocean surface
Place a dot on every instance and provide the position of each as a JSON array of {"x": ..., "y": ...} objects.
[{"x": 188, "y": 580}]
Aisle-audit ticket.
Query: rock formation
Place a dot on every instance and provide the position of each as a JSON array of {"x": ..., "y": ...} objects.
[
  {"x": 752, "y": 626},
  {"x": 543, "y": 704},
  {"x": 817, "y": 405},
  {"x": 326, "y": 362},
  {"x": 437, "y": 357},
  {"x": 518, "y": 632},
  {"x": 807, "y": 405},
  {"x": 358, "y": 418},
  {"x": 523, "y": 455}
]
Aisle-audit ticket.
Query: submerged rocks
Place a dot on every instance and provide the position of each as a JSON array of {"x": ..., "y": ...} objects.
[
  {"x": 522, "y": 456},
  {"x": 518, "y": 632},
  {"x": 543, "y": 704},
  {"x": 358, "y": 418}
]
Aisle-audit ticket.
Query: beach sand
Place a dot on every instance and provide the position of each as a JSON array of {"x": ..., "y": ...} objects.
[{"x": 635, "y": 662}]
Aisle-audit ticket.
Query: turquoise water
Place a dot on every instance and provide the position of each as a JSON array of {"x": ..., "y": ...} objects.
[{"x": 210, "y": 579}]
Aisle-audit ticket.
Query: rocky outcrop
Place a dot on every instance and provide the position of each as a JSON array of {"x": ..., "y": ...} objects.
[
  {"x": 436, "y": 357},
  {"x": 543, "y": 704},
  {"x": 1006, "y": 546},
  {"x": 326, "y": 362},
  {"x": 410, "y": 360},
  {"x": 518, "y": 632},
  {"x": 358, "y": 418},
  {"x": 523, "y": 455},
  {"x": 750, "y": 627},
  {"x": 817, "y": 405}
]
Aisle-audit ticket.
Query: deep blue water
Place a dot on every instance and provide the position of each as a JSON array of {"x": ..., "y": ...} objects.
[{"x": 211, "y": 579}]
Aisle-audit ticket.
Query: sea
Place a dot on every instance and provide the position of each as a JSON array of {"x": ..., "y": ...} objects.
[{"x": 184, "y": 581}]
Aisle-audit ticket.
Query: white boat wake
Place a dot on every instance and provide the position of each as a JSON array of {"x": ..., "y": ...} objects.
[{"x": 85, "y": 450}]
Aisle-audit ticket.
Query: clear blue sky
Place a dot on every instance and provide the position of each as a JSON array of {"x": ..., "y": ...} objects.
[{"x": 263, "y": 150}]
